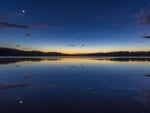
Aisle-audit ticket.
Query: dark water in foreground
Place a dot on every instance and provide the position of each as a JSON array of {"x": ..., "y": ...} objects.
[{"x": 74, "y": 85}]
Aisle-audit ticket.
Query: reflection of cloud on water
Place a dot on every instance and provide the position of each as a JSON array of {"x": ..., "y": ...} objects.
[
  {"x": 76, "y": 66},
  {"x": 47, "y": 86},
  {"x": 27, "y": 77},
  {"x": 125, "y": 59},
  {"x": 11, "y": 86},
  {"x": 19, "y": 96},
  {"x": 91, "y": 91},
  {"x": 17, "y": 65},
  {"x": 4, "y": 86},
  {"x": 100, "y": 92},
  {"x": 16, "y": 60},
  {"x": 108, "y": 90},
  {"x": 147, "y": 75},
  {"x": 145, "y": 97},
  {"x": 17, "y": 92},
  {"x": 21, "y": 59}
]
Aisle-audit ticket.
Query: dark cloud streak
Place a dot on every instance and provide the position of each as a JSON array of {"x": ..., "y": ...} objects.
[
  {"x": 27, "y": 34},
  {"x": 6, "y": 25},
  {"x": 147, "y": 37},
  {"x": 72, "y": 45},
  {"x": 17, "y": 45}
]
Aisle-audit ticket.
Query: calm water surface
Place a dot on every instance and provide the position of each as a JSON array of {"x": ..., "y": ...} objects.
[{"x": 74, "y": 85}]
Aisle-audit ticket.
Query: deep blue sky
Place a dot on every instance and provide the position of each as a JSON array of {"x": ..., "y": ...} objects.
[{"x": 75, "y": 25}]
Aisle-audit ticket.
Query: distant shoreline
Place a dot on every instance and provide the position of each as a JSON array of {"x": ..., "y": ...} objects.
[{"x": 10, "y": 52}]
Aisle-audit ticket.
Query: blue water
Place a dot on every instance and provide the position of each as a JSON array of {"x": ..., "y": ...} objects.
[{"x": 74, "y": 85}]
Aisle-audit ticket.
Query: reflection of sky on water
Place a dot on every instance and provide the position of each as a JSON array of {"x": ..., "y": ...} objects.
[{"x": 75, "y": 84}]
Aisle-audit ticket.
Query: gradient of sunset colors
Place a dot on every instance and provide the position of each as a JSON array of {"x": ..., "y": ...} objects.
[{"x": 75, "y": 26}]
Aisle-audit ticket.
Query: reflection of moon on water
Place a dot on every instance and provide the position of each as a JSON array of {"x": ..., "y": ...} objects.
[{"x": 21, "y": 102}]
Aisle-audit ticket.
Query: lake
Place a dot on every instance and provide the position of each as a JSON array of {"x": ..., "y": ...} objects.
[{"x": 74, "y": 85}]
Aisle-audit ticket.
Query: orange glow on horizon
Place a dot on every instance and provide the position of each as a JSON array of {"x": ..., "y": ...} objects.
[{"x": 85, "y": 50}]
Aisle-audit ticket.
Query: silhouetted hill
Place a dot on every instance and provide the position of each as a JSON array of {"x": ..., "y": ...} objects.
[
  {"x": 120, "y": 53},
  {"x": 15, "y": 52}
]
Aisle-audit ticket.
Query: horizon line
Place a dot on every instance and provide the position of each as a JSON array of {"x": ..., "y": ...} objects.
[{"x": 80, "y": 53}]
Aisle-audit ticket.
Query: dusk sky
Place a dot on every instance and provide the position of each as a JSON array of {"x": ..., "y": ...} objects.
[{"x": 75, "y": 26}]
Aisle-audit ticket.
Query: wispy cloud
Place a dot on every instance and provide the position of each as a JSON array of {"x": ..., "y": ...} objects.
[
  {"x": 144, "y": 16},
  {"x": 6, "y": 25},
  {"x": 46, "y": 26},
  {"x": 27, "y": 34},
  {"x": 144, "y": 21},
  {"x": 143, "y": 12},
  {"x": 17, "y": 45},
  {"x": 73, "y": 45}
]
